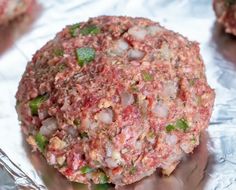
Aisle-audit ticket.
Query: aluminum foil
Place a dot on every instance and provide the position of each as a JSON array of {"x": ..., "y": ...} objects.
[{"x": 211, "y": 166}]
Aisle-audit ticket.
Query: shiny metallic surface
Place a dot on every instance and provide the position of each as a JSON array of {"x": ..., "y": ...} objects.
[{"x": 211, "y": 166}]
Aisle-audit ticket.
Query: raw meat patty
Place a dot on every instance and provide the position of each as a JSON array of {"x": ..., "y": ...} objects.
[{"x": 114, "y": 98}]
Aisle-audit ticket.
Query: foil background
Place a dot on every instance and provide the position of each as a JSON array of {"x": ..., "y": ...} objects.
[{"x": 213, "y": 164}]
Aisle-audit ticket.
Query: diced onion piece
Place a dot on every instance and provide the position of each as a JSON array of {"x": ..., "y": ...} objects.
[
  {"x": 108, "y": 150},
  {"x": 76, "y": 162},
  {"x": 106, "y": 116},
  {"x": 138, "y": 145},
  {"x": 51, "y": 159},
  {"x": 160, "y": 109},
  {"x": 43, "y": 114},
  {"x": 152, "y": 30},
  {"x": 127, "y": 99},
  {"x": 66, "y": 105},
  {"x": 111, "y": 163},
  {"x": 165, "y": 51},
  {"x": 57, "y": 144},
  {"x": 72, "y": 131},
  {"x": 11, "y": 7},
  {"x": 90, "y": 124},
  {"x": 170, "y": 89},
  {"x": 187, "y": 147},
  {"x": 93, "y": 125},
  {"x": 171, "y": 139},
  {"x": 116, "y": 155},
  {"x": 31, "y": 141},
  {"x": 114, "y": 160},
  {"x": 86, "y": 122},
  {"x": 61, "y": 160},
  {"x": 49, "y": 126},
  {"x": 138, "y": 32},
  {"x": 135, "y": 54},
  {"x": 120, "y": 47}
]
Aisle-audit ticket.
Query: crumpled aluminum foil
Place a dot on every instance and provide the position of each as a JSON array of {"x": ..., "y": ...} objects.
[{"x": 213, "y": 164}]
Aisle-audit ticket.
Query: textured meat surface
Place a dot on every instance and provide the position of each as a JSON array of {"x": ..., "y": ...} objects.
[
  {"x": 114, "y": 98},
  {"x": 10, "y": 9},
  {"x": 226, "y": 14}
]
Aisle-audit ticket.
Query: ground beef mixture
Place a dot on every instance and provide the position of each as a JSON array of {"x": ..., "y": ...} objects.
[
  {"x": 10, "y": 9},
  {"x": 226, "y": 14},
  {"x": 114, "y": 98}
]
